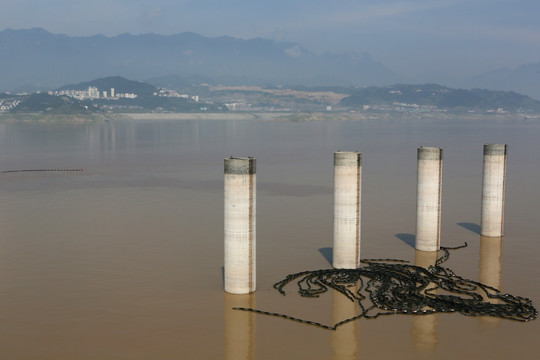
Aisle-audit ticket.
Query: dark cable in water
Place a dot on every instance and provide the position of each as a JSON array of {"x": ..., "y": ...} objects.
[
  {"x": 38, "y": 170},
  {"x": 390, "y": 286}
]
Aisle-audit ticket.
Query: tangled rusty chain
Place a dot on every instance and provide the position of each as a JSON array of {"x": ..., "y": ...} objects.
[
  {"x": 390, "y": 286},
  {"x": 39, "y": 170}
]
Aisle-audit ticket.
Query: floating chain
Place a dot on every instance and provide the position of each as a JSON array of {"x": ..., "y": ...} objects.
[{"x": 391, "y": 286}]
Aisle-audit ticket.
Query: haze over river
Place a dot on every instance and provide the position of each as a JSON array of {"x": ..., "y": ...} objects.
[{"x": 124, "y": 260}]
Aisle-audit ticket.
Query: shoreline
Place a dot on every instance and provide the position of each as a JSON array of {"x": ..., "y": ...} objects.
[
  {"x": 52, "y": 118},
  {"x": 327, "y": 116},
  {"x": 255, "y": 116},
  {"x": 202, "y": 116}
]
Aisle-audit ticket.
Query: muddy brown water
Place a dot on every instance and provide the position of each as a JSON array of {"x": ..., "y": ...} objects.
[{"x": 124, "y": 260}]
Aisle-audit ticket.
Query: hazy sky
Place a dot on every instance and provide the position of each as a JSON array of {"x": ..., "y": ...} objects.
[{"x": 411, "y": 37}]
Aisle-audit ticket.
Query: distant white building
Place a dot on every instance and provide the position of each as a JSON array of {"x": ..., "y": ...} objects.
[
  {"x": 238, "y": 106},
  {"x": 93, "y": 92}
]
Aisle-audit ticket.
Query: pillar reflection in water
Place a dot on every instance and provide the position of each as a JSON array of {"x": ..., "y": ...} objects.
[
  {"x": 490, "y": 268},
  {"x": 424, "y": 327},
  {"x": 344, "y": 340},
  {"x": 239, "y": 327},
  {"x": 102, "y": 138},
  {"x": 490, "y": 261}
]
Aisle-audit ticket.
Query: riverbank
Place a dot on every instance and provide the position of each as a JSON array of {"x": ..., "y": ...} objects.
[
  {"x": 53, "y": 119},
  {"x": 262, "y": 116},
  {"x": 204, "y": 116},
  {"x": 325, "y": 116},
  {"x": 396, "y": 115}
]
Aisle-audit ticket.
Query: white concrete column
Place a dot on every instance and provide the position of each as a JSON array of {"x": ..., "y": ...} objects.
[
  {"x": 347, "y": 206},
  {"x": 428, "y": 203},
  {"x": 240, "y": 190},
  {"x": 493, "y": 184}
]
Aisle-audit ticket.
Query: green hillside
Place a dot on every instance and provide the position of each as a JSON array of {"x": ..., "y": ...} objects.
[
  {"x": 45, "y": 103},
  {"x": 119, "y": 83},
  {"x": 441, "y": 97}
]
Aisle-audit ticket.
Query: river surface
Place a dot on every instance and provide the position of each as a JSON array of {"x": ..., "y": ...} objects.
[{"x": 124, "y": 259}]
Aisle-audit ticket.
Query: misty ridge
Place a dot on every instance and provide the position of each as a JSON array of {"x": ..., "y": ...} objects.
[
  {"x": 35, "y": 59},
  {"x": 38, "y": 58}
]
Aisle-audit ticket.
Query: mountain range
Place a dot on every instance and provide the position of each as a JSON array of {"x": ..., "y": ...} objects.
[
  {"x": 34, "y": 59},
  {"x": 524, "y": 79}
]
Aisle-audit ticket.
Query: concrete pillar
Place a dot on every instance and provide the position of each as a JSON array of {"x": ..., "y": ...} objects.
[
  {"x": 240, "y": 190},
  {"x": 239, "y": 327},
  {"x": 428, "y": 203},
  {"x": 347, "y": 205},
  {"x": 493, "y": 184}
]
